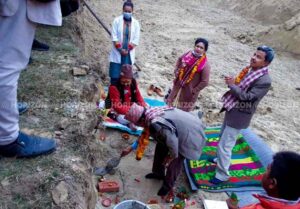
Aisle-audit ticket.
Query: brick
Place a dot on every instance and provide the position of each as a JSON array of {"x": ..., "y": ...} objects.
[{"x": 108, "y": 186}]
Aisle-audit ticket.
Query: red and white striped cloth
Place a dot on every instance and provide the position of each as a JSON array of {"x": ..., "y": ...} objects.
[
  {"x": 229, "y": 100},
  {"x": 154, "y": 112},
  {"x": 136, "y": 111}
]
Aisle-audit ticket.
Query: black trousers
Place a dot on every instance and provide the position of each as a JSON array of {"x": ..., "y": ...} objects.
[{"x": 174, "y": 168}]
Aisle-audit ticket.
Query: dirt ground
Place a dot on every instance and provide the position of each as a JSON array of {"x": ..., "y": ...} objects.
[
  {"x": 234, "y": 29},
  {"x": 169, "y": 29},
  {"x": 63, "y": 106}
]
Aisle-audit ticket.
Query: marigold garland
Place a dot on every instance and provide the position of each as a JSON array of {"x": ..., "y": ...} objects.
[
  {"x": 241, "y": 75},
  {"x": 143, "y": 142},
  {"x": 193, "y": 72}
]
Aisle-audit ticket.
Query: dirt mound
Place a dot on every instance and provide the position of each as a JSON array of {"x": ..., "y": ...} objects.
[
  {"x": 265, "y": 11},
  {"x": 281, "y": 19},
  {"x": 285, "y": 36}
]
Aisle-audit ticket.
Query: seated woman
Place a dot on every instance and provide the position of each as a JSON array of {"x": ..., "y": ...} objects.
[
  {"x": 123, "y": 94},
  {"x": 191, "y": 76}
]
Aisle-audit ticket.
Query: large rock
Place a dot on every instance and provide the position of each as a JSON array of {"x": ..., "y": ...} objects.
[
  {"x": 90, "y": 92},
  {"x": 292, "y": 23},
  {"x": 284, "y": 37},
  {"x": 60, "y": 193},
  {"x": 63, "y": 124}
]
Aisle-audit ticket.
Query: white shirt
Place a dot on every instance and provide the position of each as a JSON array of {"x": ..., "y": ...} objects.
[{"x": 117, "y": 35}]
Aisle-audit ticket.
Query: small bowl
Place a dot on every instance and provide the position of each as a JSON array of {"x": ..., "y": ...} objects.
[
  {"x": 125, "y": 136},
  {"x": 106, "y": 202}
]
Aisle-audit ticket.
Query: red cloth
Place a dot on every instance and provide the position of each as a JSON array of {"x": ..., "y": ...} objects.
[
  {"x": 269, "y": 203},
  {"x": 123, "y": 108}
]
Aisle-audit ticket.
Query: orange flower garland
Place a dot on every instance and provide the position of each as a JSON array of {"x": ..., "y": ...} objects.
[
  {"x": 241, "y": 75},
  {"x": 143, "y": 142},
  {"x": 194, "y": 70},
  {"x": 181, "y": 72}
]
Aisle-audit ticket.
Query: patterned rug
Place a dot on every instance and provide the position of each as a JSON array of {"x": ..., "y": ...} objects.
[{"x": 246, "y": 169}]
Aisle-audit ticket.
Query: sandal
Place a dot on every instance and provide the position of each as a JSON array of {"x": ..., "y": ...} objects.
[
  {"x": 150, "y": 90},
  {"x": 158, "y": 91}
]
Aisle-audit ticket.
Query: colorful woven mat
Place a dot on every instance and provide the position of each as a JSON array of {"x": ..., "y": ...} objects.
[
  {"x": 245, "y": 170},
  {"x": 110, "y": 123}
]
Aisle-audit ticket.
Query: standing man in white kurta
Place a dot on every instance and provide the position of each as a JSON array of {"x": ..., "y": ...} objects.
[
  {"x": 18, "y": 20},
  {"x": 125, "y": 37}
]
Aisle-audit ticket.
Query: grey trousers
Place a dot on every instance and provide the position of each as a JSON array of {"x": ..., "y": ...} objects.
[
  {"x": 16, "y": 37},
  {"x": 227, "y": 141}
]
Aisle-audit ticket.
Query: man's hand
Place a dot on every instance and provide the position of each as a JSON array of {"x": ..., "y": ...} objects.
[
  {"x": 118, "y": 45},
  {"x": 130, "y": 46},
  {"x": 126, "y": 151},
  {"x": 167, "y": 161},
  {"x": 124, "y": 52},
  {"x": 229, "y": 80}
]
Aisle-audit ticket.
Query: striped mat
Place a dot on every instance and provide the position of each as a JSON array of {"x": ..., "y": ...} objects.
[{"x": 246, "y": 169}]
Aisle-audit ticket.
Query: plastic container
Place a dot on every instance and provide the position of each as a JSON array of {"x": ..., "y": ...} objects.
[{"x": 131, "y": 204}]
